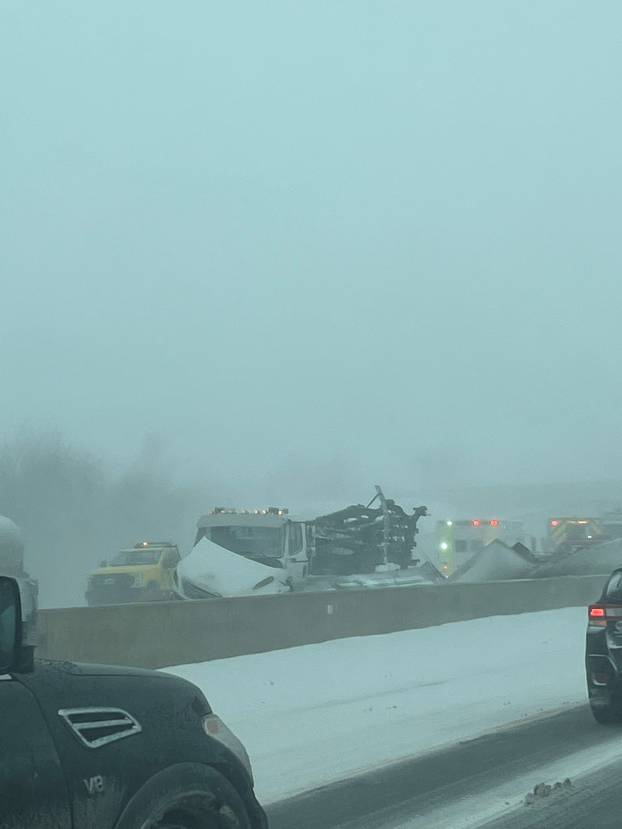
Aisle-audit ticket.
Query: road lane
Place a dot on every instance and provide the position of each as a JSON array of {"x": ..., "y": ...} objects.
[{"x": 403, "y": 794}]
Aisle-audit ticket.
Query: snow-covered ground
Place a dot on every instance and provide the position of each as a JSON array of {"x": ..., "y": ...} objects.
[{"x": 317, "y": 713}]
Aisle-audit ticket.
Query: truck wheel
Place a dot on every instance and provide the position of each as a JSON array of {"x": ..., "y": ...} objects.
[{"x": 186, "y": 796}]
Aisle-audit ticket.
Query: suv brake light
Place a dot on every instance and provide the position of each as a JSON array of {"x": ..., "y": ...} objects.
[{"x": 597, "y": 615}]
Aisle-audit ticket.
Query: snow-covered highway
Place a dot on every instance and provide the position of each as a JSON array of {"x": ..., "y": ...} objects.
[{"x": 316, "y": 714}]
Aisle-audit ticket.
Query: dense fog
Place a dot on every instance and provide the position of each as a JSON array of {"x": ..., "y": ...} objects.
[
  {"x": 292, "y": 236},
  {"x": 74, "y": 510},
  {"x": 281, "y": 254}
]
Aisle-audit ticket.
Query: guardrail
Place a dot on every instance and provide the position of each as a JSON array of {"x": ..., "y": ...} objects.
[{"x": 173, "y": 633}]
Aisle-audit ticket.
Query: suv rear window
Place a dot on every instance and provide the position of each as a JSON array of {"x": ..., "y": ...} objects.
[{"x": 613, "y": 591}]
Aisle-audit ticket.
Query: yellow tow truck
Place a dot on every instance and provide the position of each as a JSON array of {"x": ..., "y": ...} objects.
[{"x": 142, "y": 573}]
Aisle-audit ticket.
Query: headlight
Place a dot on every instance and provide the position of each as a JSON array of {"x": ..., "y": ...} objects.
[
  {"x": 444, "y": 545},
  {"x": 214, "y": 727},
  {"x": 139, "y": 580}
]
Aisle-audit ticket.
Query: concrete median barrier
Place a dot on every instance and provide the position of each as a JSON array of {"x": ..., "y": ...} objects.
[{"x": 173, "y": 633}]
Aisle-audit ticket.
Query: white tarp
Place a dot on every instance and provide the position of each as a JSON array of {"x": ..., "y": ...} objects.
[
  {"x": 219, "y": 572},
  {"x": 596, "y": 560},
  {"x": 495, "y": 562}
]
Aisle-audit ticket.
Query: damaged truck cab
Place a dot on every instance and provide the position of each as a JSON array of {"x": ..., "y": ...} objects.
[
  {"x": 246, "y": 552},
  {"x": 268, "y": 536}
]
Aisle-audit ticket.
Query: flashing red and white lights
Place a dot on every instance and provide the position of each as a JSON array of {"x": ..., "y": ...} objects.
[{"x": 555, "y": 522}]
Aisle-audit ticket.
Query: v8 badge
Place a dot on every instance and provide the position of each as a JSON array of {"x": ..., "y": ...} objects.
[{"x": 95, "y": 785}]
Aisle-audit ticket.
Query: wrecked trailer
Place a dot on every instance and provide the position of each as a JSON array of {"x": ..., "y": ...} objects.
[{"x": 365, "y": 539}]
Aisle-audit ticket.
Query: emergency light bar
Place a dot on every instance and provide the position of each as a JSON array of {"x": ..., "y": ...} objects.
[
  {"x": 144, "y": 544},
  {"x": 555, "y": 522},
  {"x": 475, "y": 522},
  {"x": 233, "y": 511}
]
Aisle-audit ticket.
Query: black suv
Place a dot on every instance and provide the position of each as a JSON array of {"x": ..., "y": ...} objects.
[
  {"x": 603, "y": 652},
  {"x": 97, "y": 747}
]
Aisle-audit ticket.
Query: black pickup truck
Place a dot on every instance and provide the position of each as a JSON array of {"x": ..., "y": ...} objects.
[{"x": 98, "y": 747}]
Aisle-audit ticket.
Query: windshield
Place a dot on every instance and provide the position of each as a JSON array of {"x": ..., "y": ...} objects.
[
  {"x": 132, "y": 557},
  {"x": 253, "y": 542}
]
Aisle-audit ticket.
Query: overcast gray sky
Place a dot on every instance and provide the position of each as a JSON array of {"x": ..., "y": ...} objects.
[{"x": 329, "y": 238}]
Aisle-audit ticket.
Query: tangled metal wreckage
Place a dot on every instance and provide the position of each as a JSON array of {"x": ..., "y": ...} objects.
[{"x": 362, "y": 539}]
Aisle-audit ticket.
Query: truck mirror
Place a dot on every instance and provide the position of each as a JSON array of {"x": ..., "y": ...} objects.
[{"x": 10, "y": 624}]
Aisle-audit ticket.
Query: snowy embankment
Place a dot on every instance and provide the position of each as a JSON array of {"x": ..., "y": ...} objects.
[{"x": 313, "y": 714}]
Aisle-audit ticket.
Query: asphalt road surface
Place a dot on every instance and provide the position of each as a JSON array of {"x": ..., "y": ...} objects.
[
  {"x": 595, "y": 802},
  {"x": 411, "y": 792}
]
